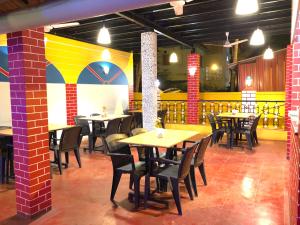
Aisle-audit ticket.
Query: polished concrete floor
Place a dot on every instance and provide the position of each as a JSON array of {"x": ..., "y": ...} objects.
[{"x": 244, "y": 187}]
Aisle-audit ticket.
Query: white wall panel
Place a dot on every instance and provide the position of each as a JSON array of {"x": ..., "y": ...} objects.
[
  {"x": 56, "y": 94},
  {"x": 5, "y": 112}
]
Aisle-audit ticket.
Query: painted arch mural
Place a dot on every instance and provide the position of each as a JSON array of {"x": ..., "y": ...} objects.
[{"x": 102, "y": 73}]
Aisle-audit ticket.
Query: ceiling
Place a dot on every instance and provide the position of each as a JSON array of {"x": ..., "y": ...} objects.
[
  {"x": 7, "y": 6},
  {"x": 202, "y": 21}
]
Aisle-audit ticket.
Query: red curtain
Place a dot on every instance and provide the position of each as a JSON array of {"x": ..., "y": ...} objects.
[{"x": 267, "y": 75}]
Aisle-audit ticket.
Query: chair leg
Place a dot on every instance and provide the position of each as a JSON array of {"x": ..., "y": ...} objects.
[
  {"x": 202, "y": 172},
  {"x": 67, "y": 159},
  {"x": 131, "y": 181},
  {"x": 176, "y": 196},
  {"x": 136, "y": 191},
  {"x": 248, "y": 137},
  {"x": 147, "y": 190},
  {"x": 2, "y": 168},
  {"x": 58, "y": 154},
  {"x": 255, "y": 137},
  {"x": 187, "y": 183},
  {"x": 77, "y": 155},
  {"x": 115, "y": 184},
  {"x": 193, "y": 179}
]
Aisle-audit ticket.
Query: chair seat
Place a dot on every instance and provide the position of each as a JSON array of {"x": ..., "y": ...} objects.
[
  {"x": 171, "y": 171},
  {"x": 140, "y": 168},
  {"x": 54, "y": 147}
]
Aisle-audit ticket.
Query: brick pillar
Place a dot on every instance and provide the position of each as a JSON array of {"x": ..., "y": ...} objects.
[
  {"x": 288, "y": 95},
  {"x": 71, "y": 102},
  {"x": 130, "y": 97},
  {"x": 193, "y": 84},
  {"x": 27, "y": 76}
]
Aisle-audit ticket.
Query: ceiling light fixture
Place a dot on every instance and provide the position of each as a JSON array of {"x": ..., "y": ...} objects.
[
  {"x": 106, "y": 55},
  {"x": 246, "y": 7},
  {"x": 173, "y": 58},
  {"x": 257, "y": 38},
  {"x": 103, "y": 36},
  {"x": 178, "y": 6},
  {"x": 269, "y": 54}
]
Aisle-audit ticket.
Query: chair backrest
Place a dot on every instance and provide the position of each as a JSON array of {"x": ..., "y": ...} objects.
[
  {"x": 184, "y": 167},
  {"x": 212, "y": 122},
  {"x": 116, "y": 147},
  {"x": 138, "y": 119},
  {"x": 113, "y": 126},
  {"x": 255, "y": 123},
  {"x": 84, "y": 124},
  {"x": 200, "y": 151},
  {"x": 125, "y": 127},
  {"x": 140, "y": 149},
  {"x": 70, "y": 138},
  {"x": 162, "y": 115}
]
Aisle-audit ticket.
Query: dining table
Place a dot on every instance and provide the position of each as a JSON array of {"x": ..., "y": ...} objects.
[{"x": 154, "y": 139}]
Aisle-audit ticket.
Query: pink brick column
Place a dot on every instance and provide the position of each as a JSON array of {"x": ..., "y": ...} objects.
[
  {"x": 130, "y": 97},
  {"x": 71, "y": 102},
  {"x": 27, "y": 76},
  {"x": 193, "y": 84},
  {"x": 288, "y": 95}
]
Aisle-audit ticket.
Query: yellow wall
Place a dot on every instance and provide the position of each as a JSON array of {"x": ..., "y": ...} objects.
[{"x": 70, "y": 57}]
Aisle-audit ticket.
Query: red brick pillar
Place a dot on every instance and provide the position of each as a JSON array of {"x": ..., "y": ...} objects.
[
  {"x": 71, "y": 101},
  {"x": 27, "y": 76},
  {"x": 130, "y": 97},
  {"x": 288, "y": 94},
  {"x": 193, "y": 84}
]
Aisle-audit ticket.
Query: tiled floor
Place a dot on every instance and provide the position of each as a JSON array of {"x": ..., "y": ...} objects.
[{"x": 243, "y": 188}]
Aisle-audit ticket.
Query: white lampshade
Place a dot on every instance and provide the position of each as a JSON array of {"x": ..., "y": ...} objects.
[
  {"x": 173, "y": 58},
  {"x": 103, "y": 36},
  {"x": 257, "y": 38},
  {"x": 105, "y": 55},
  {"x": 248, "y": 81},
  {"x": 105, "y": 69},
  {"x": 192, "y": 70},
  {"x": 245, "y": 7},
  {"x": 178, "y": 7},
  {"x": 269, "y": 54}
]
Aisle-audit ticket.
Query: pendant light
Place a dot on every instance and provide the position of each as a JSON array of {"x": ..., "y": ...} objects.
[
  {"x": 173, "y": 58},
  {"x": 269, "y": 54},
  {"x": 106, "y": 55},
  {"x": 103, "y": 36},
  {"x": 257, "y": 38},
  {"x": 246, "y": 7},
  {"x": 178, "y": 7}
]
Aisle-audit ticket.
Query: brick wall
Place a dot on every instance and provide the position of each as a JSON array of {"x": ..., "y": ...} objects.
[
  {"x": 71, "y": 101},
  {"x": 131, "y": 97},
  {"x": 288, "y": 94},
  {"x": 193, "y": 89},
  {"x": 27, "y": 76}
]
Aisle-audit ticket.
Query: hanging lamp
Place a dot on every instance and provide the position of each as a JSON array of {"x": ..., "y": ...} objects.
[
  {"x": 103, "y": 36},
  {"x": 257, "y": 38},
  {"x": 246, "y": 7},
  {"x": 173, "y": 58},
  {"x": 269, "y": 54}
]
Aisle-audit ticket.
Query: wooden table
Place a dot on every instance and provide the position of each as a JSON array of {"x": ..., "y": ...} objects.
[
  {"x": 136, "y": 111},
  {"x": 149, "y": 140},
  {"x": 103, "y": 118},
  {"x": 236, "y": 115},
  {"x": 51, "y": 128},
  {"x": 170, "y": 138}
]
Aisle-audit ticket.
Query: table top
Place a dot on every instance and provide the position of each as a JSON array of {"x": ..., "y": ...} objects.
[
  {"x": 103, "y": 118},
  {"x": 170, "y": 138},
  {"x": 237, "y": 115},
  {"x": 51, "y": 127}
]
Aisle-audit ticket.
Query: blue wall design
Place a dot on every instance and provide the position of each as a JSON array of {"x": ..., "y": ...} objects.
[
  {"x": 3, "y": 63},
  {"x": 53, "y": 75},
  {"x": 94, "y": 74}
]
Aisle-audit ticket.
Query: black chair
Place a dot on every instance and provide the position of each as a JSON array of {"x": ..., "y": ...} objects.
[
  {"x": 123, "y": 163},
  {"x": 6, "y": 159},
  {"x": 138, "y": 119},
  {"x": 112, "y": 128},
  {"x": 85, "y": 130},
  {"x": 217, "y": 133},
  {"x": 174, "y": 173},
  {"x": 249, "y": 132},
  {"x": 98, "y": 126},
  {"x": 161, "y": 114},
  {"x": 140, "y": 149},
  {"x": 69, "y": 141},
  {"x": 125, "y": 127}
]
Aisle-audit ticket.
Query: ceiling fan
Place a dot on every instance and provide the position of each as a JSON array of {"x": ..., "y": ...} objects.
[
  {"x": 227, "y": 43},
  {"x": 60, "y": 25},
  {"x": 178, "y": 6}
]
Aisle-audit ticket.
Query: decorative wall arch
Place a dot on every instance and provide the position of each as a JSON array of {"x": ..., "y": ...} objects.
[
  {"x": 95, "y": 73},
  {"x": 53, "y": 75}
]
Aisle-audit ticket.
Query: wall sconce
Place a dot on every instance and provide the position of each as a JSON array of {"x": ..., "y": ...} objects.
[
  {"x": 214, "y": 67},
  {"x": 248, "y": 81},
  {"x": 105, "y": 69},
  {"x": 192, "y": 70},
  {"x": 105, "y": 55}
]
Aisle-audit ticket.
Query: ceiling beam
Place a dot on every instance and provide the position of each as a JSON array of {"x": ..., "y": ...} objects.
[{"x": 158, "y": 29}]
